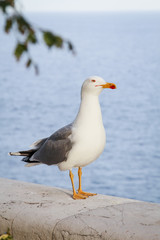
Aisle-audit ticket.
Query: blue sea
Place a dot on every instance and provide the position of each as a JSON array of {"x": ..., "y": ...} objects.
[{"x": 123, "y": 48}]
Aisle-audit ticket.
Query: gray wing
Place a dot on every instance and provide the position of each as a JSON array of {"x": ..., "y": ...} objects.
[{"x": 56, "y": 147}]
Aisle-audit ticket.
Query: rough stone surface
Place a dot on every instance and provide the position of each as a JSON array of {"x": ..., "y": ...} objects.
[{"x": 36, "y": 212}]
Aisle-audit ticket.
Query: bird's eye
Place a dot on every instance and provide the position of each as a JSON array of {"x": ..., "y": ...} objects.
[{"x": 93, "y": 80}]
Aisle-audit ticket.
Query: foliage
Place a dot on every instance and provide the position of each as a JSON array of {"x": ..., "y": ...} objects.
[
  {"x": 14, "y": 20},
  {"x": 6, "y": 236}
]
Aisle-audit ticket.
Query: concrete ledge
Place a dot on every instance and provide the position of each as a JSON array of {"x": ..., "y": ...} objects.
[{"x": 36, "y": 212}]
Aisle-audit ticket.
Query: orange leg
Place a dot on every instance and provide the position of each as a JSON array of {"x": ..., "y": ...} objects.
[
  {"x": 75, "y": 195},
  {"x": 80, "y": 186}
]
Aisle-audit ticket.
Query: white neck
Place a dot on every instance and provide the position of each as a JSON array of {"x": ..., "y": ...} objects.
[{"x": 89, "y": 112}]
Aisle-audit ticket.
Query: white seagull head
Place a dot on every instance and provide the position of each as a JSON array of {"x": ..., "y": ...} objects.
[{"x": 94, "y": 85}]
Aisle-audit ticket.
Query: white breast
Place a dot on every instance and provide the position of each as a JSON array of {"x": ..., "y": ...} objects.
[
  {"x": 87, "y": 149},
  {"x": 88, "y": 135}
]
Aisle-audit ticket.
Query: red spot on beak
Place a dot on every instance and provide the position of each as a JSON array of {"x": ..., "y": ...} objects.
[{"x": 112, "y": 86}]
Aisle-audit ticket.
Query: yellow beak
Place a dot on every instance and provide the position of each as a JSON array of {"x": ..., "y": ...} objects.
[{"x": 109, "y": 85}]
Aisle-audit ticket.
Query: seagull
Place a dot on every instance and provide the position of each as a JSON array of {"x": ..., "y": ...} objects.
[{"x": 77, "y": 144}]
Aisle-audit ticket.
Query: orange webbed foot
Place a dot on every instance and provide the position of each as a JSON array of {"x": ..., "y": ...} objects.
[
  {"x": 86, "y": 193},
  {"x": 77, "y": 196}
]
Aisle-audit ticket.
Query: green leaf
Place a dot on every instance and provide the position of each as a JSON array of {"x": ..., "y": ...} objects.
[
  {"x": 31, "y": 37},
  {"x": 8, "y": 25},
  {"x": 48, "y": 38},
  {"x": 19, "y": 50},
  {"x": 58, "y": 41},
  {"x": 23, "y": 25},
  {"x": 21, "y": 20},
  {"x": 28, "y": 63},
  {"x": 6, "y": 3},
  {"x": 52, "y": 40}
]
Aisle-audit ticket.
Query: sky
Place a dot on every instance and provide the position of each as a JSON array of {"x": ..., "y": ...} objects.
[{"x": 89, "y": 5}]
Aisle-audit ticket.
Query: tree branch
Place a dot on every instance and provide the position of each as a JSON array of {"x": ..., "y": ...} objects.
[{"x": 13, "y": 19}]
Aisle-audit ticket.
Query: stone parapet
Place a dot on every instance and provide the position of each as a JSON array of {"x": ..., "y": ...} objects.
[{"x": 36, "y": 212}]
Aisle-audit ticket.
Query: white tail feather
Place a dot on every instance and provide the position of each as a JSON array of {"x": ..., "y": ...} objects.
[
  {"x": 14, "y": 154},
  {"x": 31, "y": 164}
]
